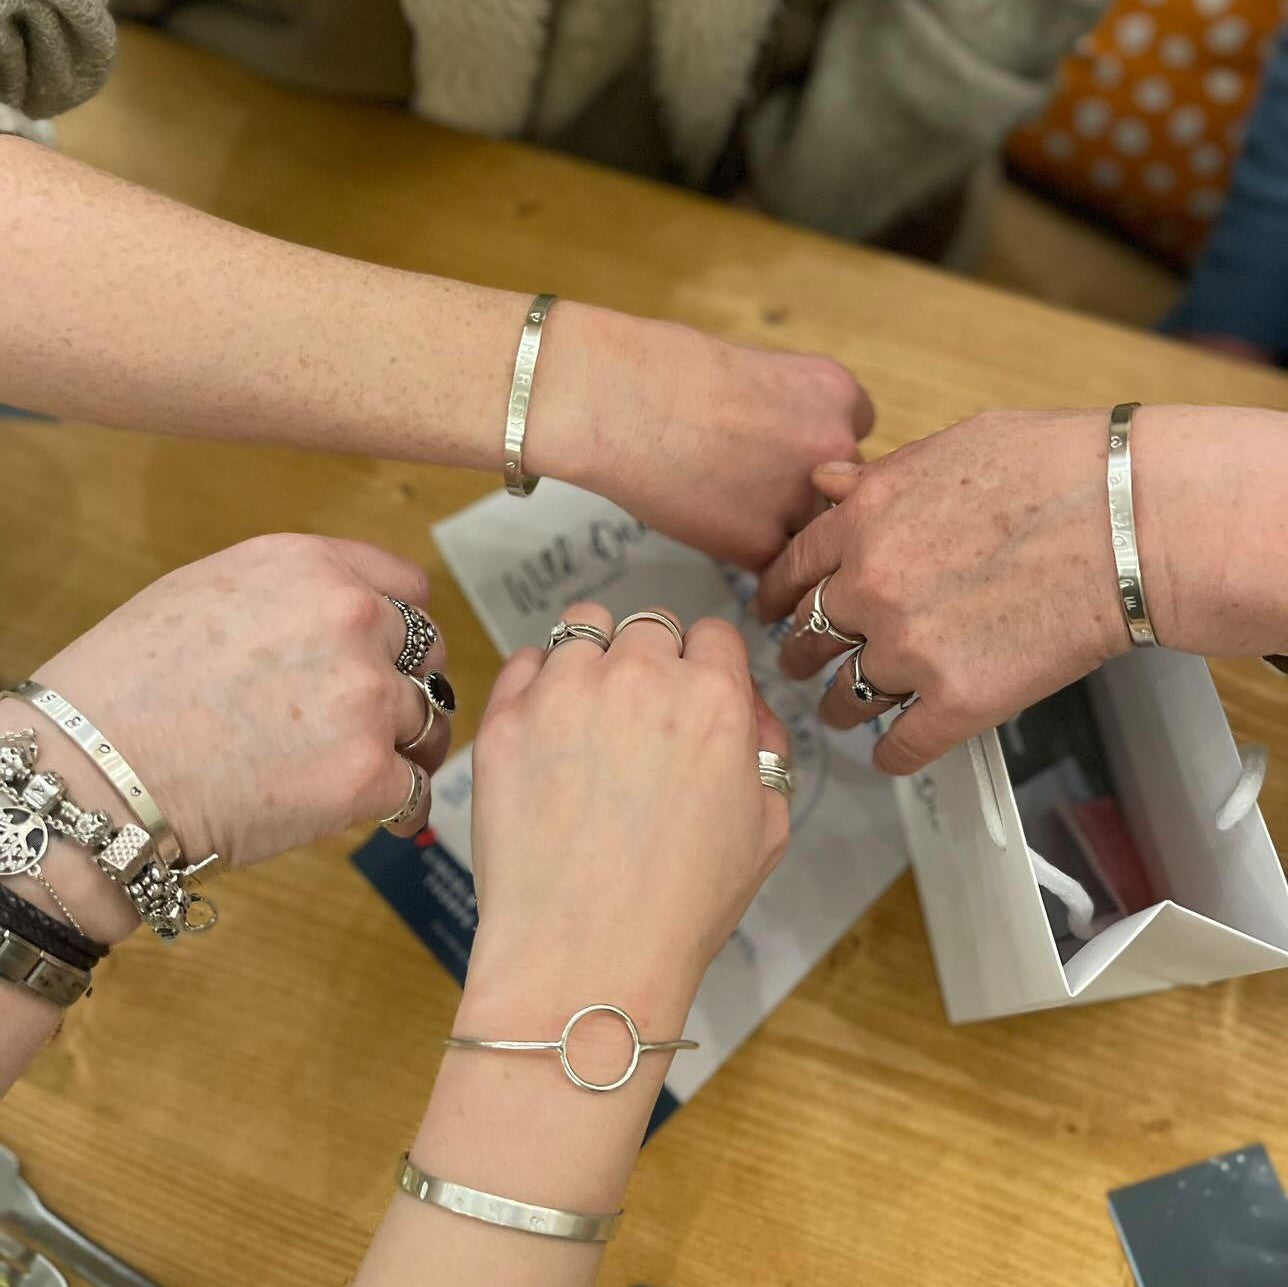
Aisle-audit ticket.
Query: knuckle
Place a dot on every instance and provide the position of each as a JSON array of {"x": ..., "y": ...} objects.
[
  {"x": 285, "y": 547},
  {"x": 354, "y": 609},
  {"x": 367, "y": 771}
]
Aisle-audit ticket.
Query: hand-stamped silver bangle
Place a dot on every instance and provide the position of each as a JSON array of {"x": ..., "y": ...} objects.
[
  {"x": 25, "y": 965},
  {"x": 108, "y": 760},
  {"x": 518, "y": 483},
  {"x": 560, "y": 1046},
  {"x": 1122, "y": 525},
  {"x": 126, "y": 855},
  {"x": 506, "y": 1213}
]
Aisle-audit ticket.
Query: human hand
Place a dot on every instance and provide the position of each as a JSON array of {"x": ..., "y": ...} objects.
[
  {"x": 711, "y": 443},
  {"x": 620, "y": 825},
  {"x": 255, "y": 693},
  {"x": 977, "y": 562}
]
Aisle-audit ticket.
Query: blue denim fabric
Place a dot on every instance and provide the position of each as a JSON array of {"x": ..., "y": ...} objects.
[{"x": 1240, "y": 285}]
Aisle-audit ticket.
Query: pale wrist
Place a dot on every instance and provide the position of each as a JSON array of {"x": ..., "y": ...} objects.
[{"x": 604, "y": 380}]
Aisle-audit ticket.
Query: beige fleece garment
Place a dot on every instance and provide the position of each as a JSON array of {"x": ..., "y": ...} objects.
[
  {"x": 845, "y": 115},
  {"x": 54, "y": 54}
]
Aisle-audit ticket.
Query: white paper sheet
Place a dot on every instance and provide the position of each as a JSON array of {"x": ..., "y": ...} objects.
[{"x": 521, "y": 563}]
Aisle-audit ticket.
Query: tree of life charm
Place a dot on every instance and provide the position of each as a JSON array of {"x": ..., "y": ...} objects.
[{"x": 24, "y": 837}]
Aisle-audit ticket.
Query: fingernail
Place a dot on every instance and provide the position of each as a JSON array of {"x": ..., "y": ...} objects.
[{"x": 839, "y": 467}]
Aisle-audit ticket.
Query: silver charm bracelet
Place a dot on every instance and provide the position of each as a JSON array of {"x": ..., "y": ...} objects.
[{"x": 37, "y": 805}]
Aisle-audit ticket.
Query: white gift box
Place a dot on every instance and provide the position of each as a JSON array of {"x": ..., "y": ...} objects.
[{"x": 1189, "y": 801}]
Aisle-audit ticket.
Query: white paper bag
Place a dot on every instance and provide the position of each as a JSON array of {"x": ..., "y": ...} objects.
[{"x": 1192, "y": 813}]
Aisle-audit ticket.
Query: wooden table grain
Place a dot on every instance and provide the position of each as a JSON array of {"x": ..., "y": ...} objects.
[{"x": 227, "y": 1112}]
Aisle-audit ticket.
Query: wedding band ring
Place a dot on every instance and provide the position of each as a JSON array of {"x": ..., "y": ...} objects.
[
  {"x": 819, "y": 623},
  {"x": 421, "y": 636},
  {"x": 566, "y": 631},
  {"x": 865, "y": 690},
  {"x": 660, "y": 619},
  {"x": 775, "y": 773},
  {"x": 414, "y": 797},
  {"x": 403, "y": 747}
]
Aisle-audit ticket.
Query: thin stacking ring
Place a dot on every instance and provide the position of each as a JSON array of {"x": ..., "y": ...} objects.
[
  {"x": 819, "y": 623},
  {"x": 865, "y": 690},
  {"x": 403, "y": 747},
  {"x": 414, "y": 797},
  {"x": 566, "y": 631},
  {"x": 661, "y": 620},
  {"x": 775, "y": 772},
  {"x": 422, "y": 635}
]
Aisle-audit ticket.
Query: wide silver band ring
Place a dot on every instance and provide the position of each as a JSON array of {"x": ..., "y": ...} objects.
[
  {"x": 421, "y": 636},
  {"x": 865, "y": 690},
  {"x": 819, "y": 623},
  {"x": 563, "y": 632},
  {"x": 657, "y": 617},
  {"x": 414, "y": 797},
  {"x": 775, "y": 772}
]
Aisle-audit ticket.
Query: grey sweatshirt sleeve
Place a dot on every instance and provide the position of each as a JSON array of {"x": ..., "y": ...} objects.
[
  {"x": 903, "y": 99},
  {"x": 54, "y": 54}
]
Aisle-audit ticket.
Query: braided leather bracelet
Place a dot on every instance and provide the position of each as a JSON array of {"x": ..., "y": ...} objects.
[{"x": 51, "y": 936}]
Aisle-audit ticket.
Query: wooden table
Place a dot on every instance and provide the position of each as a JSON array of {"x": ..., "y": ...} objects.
[{"x": 227, "y": 1112}]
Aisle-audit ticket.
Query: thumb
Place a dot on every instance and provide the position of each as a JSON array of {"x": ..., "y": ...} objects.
[{"x": 837, "y": 479}]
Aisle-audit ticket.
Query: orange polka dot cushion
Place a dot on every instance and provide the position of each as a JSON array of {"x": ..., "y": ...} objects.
[{"x": 1147, "y": 120}]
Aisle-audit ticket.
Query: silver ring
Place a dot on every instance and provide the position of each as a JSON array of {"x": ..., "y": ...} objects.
[
  {"x": 414, "y": 797},
  {"x": 422, "y": 635},
  {"x": 566, "y": 631},
  {"x": 403, "y": 747},
  {"x": 865, "y": 690},
  {"x": 775, "y": 772},
  {"x": 652, "y": 616},
  {"x": 819, "y": 623}
]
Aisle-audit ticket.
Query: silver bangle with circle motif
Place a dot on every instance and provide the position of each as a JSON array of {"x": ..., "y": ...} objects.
[{"x": 560, "y": 1046}]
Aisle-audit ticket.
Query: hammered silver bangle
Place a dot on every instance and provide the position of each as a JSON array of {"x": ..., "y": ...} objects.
[
  {"x": 517, "y": 482},
  {"x": 505, "y": 1213},
  {"x": 1122, "y": 525}
]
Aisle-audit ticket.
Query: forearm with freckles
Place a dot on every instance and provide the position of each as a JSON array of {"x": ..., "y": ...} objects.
[{"x": 137, "y": 311}]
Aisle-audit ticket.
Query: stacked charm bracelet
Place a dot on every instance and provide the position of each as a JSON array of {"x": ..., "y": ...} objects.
[{"x": 130, "y": 855}]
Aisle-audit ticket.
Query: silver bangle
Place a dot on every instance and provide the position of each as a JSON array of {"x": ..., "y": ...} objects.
[
  {"x": 518, "y": 483},
  {"x": 560, "y": 1047},
  {"x": 1122, "y": 524},
  {"x": 505, "y": 1213},
  {"x": 108, "y": 760},
  {"x": 26, "y": 966}
]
